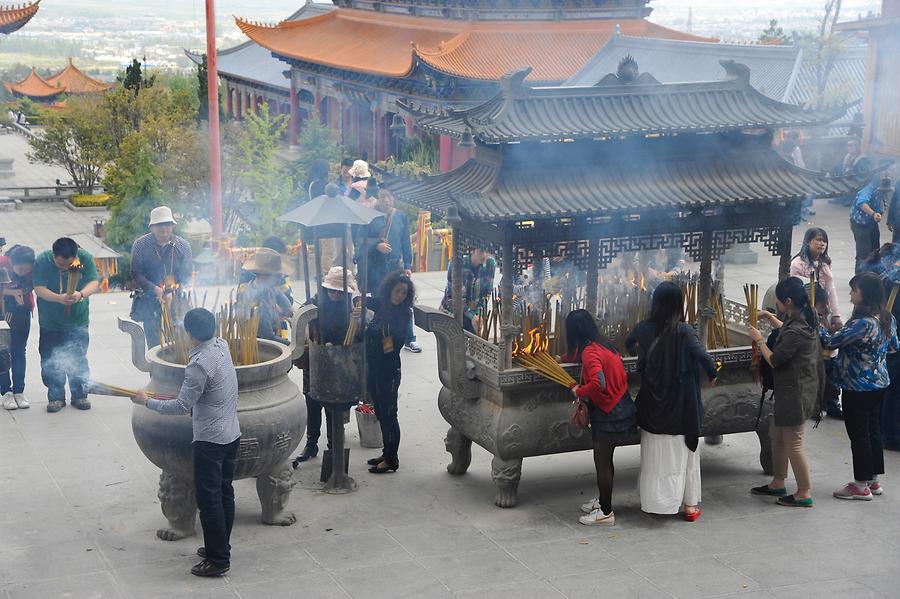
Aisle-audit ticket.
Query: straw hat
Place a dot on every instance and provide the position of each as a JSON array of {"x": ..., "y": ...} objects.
[
  {"x": 265, "y": 262},
  {"x": 334, "y": 280},
  {"x": 161, "y": 215},
  {"x": 360, "y": 169}
]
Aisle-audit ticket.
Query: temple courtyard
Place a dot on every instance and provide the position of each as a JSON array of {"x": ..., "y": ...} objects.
[{"x": 79, "y": 508}]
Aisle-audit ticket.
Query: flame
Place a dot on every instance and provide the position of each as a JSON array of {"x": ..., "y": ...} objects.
[
  {"x": 76, "y": 264},
  {"x": 631, "y": 280},
  {"x": 643, "y": 287},
  {"x": 531, "y": 336}
]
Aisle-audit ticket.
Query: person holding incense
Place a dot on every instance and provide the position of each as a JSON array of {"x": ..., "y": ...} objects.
[
  {"x": 161, "y": 266},
  {"x": 862, "y": 375},
  {"x": 799, "y": 377},
  {"x": 478, "y": 271},
  {"x": 16, "y": 306},
  {"x": 330, "y": 328},
  {"x": 669, "y": 409},
  {"x": 813, "y": 264},
  {"x": 385, "y": 336},
  {"x": 613, "y": 416},
  {"x": 64, "y": 278},
  {"x": 209, "y": 394},
  {"x": 264, "y": 295}
]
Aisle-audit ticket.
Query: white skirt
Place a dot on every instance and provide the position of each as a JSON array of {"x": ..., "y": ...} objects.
[{"x": 670, "y": 474}]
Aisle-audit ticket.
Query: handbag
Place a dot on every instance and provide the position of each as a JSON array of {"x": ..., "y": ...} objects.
[{"x": 580, "y": 416}]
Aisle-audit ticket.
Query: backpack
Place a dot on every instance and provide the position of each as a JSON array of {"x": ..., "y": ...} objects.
[{"x": 766, "y": 375}]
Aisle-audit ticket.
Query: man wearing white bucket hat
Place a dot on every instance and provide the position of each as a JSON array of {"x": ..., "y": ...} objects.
[
  {"x": 329, "y": 328},
  {"x": 161, "y": 266}
]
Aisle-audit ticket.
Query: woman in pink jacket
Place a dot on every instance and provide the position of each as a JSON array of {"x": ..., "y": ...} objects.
[{"x": 813, "y": 262}]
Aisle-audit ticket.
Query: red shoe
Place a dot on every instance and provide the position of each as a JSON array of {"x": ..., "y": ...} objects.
[{"x": 692, "y": 516}]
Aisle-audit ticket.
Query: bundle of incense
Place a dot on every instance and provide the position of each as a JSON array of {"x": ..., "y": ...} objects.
[
  {"x": 534, "y": 357},
  {"x": 351, "y": 332},
  {"x": 892, "y": 297},
  {"x": 812, "y": 291},
  {"x": 751, "y": 294},
  {"x": 73, "y": 277},
  {"x": 97, "y": 388}
]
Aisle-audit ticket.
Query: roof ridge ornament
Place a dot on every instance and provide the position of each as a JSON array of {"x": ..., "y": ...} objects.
[
  {"x": 628, "y": 70},
  {"x": 736, "y": 71},
  {"x": 512, "y": 84}
]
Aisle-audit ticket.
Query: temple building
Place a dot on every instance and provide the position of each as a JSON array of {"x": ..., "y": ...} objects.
[
  {"x": 881, "y": 105},
  {"x": 353, "y": 63},
  {"x": 70, "y": 81},
  {"x": 13, "y": 18}
]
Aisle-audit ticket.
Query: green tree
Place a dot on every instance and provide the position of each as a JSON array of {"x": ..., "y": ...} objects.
[
  {"x": 315, "y": 141},
  {"x": 773, "y": 34},
  {"x": 202, "y": 90},
  {"x": 826, "y": 47},
  {"x": 141, "y": 193},
  {"x": 74, "y": 140},
  {"x": 265, "y": 184},
  {"x": 133, "y": 78}
]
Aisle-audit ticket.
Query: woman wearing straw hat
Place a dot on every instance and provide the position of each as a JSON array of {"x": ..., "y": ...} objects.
[
  {"x": 263, "y": 294},
  {"x": 329, "y": 328}
]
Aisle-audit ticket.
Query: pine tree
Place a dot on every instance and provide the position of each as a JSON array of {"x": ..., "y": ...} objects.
[
  {"x": 202, "y": 87},
  {"x": 773, "y": 34}
]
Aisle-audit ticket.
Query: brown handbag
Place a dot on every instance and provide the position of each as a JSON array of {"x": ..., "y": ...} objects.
[{"x": 580, "y": 416}]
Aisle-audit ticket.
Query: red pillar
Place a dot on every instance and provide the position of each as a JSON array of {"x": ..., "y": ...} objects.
[
  {"x": 295, "y": 116},
  {"x": 446, "y": 153},
  {"x": 212, "y": 94},
  {"x": 354, "y": 127}
]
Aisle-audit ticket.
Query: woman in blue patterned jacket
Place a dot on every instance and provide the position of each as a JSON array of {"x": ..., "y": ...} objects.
[{"x": 861, "y": 373}]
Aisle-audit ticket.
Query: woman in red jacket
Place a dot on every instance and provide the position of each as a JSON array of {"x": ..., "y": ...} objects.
[{"x": 604, "y": 387}]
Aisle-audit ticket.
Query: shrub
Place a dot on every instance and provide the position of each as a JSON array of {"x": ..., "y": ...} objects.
[{"x": 91, "y": 201}]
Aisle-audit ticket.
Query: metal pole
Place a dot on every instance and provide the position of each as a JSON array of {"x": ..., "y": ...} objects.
[
  {"x": 212, "y": 93},
  {"x": 593, "y": 273},
  {"x": 305, "y": 255},
  {"x": 705, "y": 288},
  {"x": 348, "y": 304},
  {"x": 456, "y": 282}
]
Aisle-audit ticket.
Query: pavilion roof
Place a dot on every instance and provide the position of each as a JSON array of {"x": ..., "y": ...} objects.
[
  {"x": 537, "y": 181},
  {"x": 33, "y": 86},
  {"x": 73, "y": 81},
  {"x": 615, "y": 107},
  {"x": 391, "y": 45},
  {"x": 13, "y": 18}
]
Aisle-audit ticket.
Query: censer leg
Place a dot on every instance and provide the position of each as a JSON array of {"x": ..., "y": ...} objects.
[
  {"x": 460, "y": 449},
  {"x": 179, "y": 506},
  {"x": 338, "y": 482},
  {"x": 713, "y": 439},
  {"x": 273, "y": 490},
  {"x": 506, "y": 475}
]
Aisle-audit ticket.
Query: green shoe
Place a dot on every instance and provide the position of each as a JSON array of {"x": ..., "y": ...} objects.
[
  {"x": 791, "y": 501},
  {"x": 766, "y": 490}
]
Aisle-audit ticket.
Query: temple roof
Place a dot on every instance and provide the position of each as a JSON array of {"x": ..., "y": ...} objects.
[
  {"x": 251, "y": 62},
  {"x": 73, "y": 81},
  {"x": 33, "y": 86},
  {"x": 13, "y": 18},
  {"x": 534, "y": 181},
  {"x": 785, "y": 73},
  {"x": 391, "y": 45},
  {"x": 617, "y": 106}
]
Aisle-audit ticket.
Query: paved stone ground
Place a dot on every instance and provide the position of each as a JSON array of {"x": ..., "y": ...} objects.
[
  {"x": 25, "y": 173},
  {"x": 79, "y": 509}
]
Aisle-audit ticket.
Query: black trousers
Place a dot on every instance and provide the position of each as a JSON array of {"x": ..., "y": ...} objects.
[
  {"x": 383, "y": 388},
  {"x": 862, "y": 417},
  {"x": 890, "y": 410},
  {"x": 867, "y": 238},
  {"x": 314, "y": 411},
  {"x": 213, "y": 472},
  {"x": 64, "y": 355}
]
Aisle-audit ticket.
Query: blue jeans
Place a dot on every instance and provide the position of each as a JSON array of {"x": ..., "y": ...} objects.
[
  {"x": 383, "y": 388},
  {"x": 18, "y": 342},
  {"x": 214, "y": 466},
  {"x": 410, "y": 331},
  {"x": 64, "y": 355},
  {"x": 890, "y": 412}
]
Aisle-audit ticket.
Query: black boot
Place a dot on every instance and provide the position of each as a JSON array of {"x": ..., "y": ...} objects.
[{"x": 310, "y": 451}]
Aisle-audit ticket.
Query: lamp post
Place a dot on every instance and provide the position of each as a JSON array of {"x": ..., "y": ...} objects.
[{"x": 212, "y": 94}]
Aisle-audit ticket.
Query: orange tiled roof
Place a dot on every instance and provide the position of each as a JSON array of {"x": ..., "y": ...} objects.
[
  {"x": 74, "y": 81},
  {"x": 389, "y": 45},
  {"x": 33, "y": 86},
  {"x": 14, "y": 17}
]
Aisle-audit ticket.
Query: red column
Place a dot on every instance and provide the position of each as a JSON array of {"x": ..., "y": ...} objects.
[
  {"x": 354, "y": 127},
  {"x": 212, "y": 95},
  {"x": 295, "y": 116},
  {"x": 446, "y": 153}
]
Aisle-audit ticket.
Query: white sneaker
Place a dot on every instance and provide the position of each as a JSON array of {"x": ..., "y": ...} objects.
[
  {"x": 591, "y": 505},
  {"x": 598, "y": 518},
  {"x": 414, "y": 347},
  {"x": 9, "y": 403},
  {"x": 21, "y": 401}
]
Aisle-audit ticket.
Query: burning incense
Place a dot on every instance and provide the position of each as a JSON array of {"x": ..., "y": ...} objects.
[
  {"x": 98, "y": 388},
  {"x": 73, "y": 277},
  {"x": 351, "y": 332},
  {"x": 534, "y": 357},
  {"x": 892, "y": 297}
]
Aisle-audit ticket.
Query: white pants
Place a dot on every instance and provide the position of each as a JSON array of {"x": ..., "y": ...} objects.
[{"x": 670, "y": 474}]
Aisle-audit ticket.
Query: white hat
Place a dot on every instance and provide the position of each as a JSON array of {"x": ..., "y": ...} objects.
[
  {"x": 360, "y": 169},
  {"x": 334, "y": 280},
  {"x": 161, "y": 215}
]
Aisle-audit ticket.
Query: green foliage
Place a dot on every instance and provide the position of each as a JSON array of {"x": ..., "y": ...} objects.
[
  {"x": 258, "y": 170},
  {"x": 203, "y": 90},
  {"x": 133, "y": 78},
  {"x": 824, "y": 47},
  {"x": 141, "y": 193},
  {"x": 773, "y": 34},
  {"x": 74, "y": 141},
  {"x": 94, "y": 201},
  {"x": 315, "y": 141},
  {"x": 421, "y": 151}
]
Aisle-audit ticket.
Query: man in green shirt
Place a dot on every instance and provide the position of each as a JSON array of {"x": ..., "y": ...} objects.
[{"x": 64, "y": 278}]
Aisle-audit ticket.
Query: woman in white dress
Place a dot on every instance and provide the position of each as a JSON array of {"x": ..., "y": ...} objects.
[{"x": 669, "y": 408}]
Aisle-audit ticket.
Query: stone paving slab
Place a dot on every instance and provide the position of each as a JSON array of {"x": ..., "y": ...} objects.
[
  {"x": 25, "y": 172},
  {"x": 80, "y": 508}
]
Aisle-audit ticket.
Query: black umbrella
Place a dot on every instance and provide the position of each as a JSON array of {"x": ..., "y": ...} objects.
[{"x": 331, "y": 209}]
